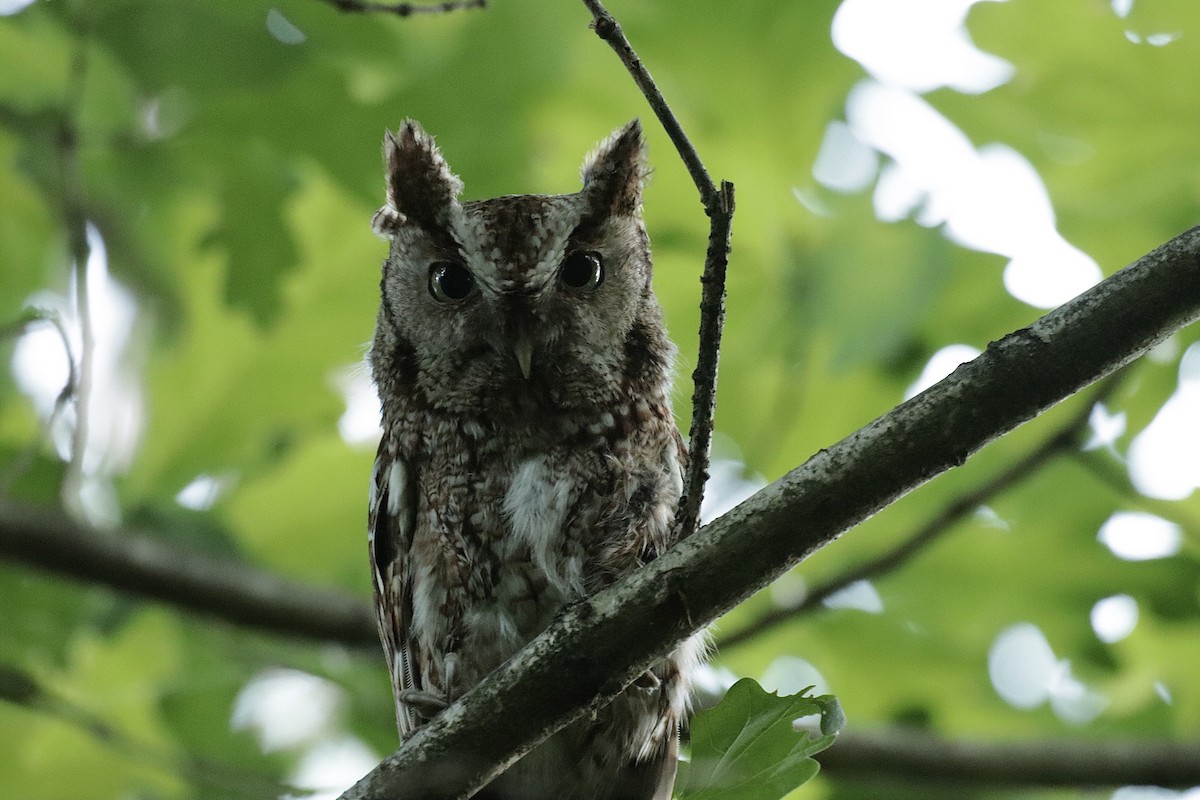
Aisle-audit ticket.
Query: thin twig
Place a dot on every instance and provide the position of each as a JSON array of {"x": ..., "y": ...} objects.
[
  {"x": 719, "y": 206},
  {"x": 405, "y": 9},
  {"x": 606, "y": 27},
  {"x": 70, "y": 386},
  {"x": 18, "y": 327},
  {"x": 24, "y": 459},
  {"x": 1061, "y": 442},
  {"x": 704, "y": 376},
  {"x": 1113, "y": 475},
  {"x": 75, "y": 220},
  {"x": 35, "y": 316}
]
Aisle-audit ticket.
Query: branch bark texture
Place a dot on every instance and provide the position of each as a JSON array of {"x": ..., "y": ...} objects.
[
  {"x": 610, "y": 638},
  {"x": 152, "y": 567}
]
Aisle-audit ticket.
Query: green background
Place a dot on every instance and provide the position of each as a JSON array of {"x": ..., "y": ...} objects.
[{"x": 240, "y": 221}]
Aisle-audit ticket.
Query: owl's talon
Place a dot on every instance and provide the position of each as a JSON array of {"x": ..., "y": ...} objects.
[{"x": 427, "y": 704}]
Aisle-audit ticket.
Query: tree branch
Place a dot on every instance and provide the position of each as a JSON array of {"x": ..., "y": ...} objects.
[
  {"x": 74, "y": 212},
  {"x": 24, "y": 459},
  {"x": 704, "y": 376},
  {"x": 914, "y": 758},
  {"x": 719, "y": 206},
  {"x": 1058, "y": 443},
  {"x": 404, "y": 9},
  {"x": 1116, "y": 477},
  {"x": 196, "y": 582},
  {"x": 608, "y": 639},
  {"x": 606, "y": 27}
]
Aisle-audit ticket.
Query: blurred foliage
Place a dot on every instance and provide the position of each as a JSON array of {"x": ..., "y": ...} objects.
[{"x": 232, "y": 177}]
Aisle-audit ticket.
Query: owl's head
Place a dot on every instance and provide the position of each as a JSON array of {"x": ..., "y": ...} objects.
[{"x": 518, "y": 304}]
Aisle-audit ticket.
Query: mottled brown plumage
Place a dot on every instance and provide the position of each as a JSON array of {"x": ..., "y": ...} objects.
[{"x": 529, "y": 454}]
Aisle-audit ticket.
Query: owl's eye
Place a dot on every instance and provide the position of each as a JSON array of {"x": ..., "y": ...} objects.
[
  {"x": 582, "y": 271},
  {"x": 449, "y": 281}
]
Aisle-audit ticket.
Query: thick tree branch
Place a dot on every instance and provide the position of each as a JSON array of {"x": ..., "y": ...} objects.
[
  {"x": 718, "y": 205},
  {"x": 153, "y": 567},
  {"x": 607, "y": 640},
  {"x": 1064, "y": 440},
  {"x": 915, "y": 759}
]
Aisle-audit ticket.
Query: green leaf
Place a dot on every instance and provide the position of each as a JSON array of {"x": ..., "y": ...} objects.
[
  {"x": 748, "y": 746},
  {"x": 253, "y": 232}
]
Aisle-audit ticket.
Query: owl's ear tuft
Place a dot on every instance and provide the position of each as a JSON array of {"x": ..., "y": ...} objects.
[
  {"x": 387, "y": 221},
  {"x": 420, "y": 186},
  {"x": 613, "y": 174}
]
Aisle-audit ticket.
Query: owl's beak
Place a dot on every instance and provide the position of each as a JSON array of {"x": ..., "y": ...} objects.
[{"x": 523, "y": 349}]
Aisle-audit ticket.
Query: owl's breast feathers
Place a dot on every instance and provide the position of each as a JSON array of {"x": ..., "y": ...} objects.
[
  {"x": 509, "y": 525},
  {"x": 479, "y": 540}
]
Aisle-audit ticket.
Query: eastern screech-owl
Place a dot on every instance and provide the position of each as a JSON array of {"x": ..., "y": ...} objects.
[{"x": 529, "y": 454}]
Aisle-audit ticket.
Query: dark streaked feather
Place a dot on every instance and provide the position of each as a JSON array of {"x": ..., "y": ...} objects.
[{"x": 390, "y": 537}]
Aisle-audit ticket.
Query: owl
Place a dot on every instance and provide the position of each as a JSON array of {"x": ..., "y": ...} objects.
[{"x": 529, "y": 455}]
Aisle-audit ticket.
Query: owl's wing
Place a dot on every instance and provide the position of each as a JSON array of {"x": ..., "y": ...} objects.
[{"x": 393, "y": 514}]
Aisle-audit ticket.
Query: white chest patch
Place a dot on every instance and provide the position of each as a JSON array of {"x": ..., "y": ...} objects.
[{"x": 536, "y": 506}]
